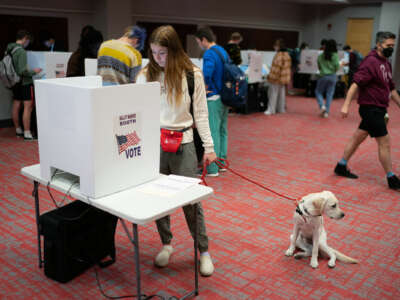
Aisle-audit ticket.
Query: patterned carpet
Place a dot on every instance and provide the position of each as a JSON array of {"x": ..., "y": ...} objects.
[{"x": 249, "y": 228}]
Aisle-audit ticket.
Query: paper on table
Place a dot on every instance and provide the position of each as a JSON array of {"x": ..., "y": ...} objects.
[{"x": 168, "y": 186}]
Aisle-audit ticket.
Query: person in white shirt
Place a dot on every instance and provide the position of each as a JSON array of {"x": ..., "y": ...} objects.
[{"x": 170, "y": 65}]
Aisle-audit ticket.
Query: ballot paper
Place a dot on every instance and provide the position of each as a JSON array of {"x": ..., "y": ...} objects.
[{"x": 168, "y": 186}]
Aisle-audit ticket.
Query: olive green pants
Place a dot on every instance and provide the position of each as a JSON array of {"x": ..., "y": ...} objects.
[{"x": 183, "y": 163}]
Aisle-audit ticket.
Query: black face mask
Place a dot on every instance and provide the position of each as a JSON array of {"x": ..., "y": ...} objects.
[{"x": 387, "y": 52}]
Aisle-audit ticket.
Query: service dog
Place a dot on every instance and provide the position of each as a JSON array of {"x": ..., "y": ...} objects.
[{"x": 309, "y": 234}]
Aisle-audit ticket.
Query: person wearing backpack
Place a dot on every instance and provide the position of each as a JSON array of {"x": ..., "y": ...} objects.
[
  {"x": 23, "y": 90},
  {"x": 180, "y": 109},
  {"x": 278, "y": 78},
  {"x": 213, "y": 69},
  {"x": 355, "y": 59}
]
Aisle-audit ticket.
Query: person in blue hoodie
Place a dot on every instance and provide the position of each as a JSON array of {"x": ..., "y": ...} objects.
[{"x": 213, "y": 67}]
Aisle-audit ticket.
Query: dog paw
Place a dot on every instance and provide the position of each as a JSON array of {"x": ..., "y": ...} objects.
[
  {"x": 331, "y": 264},
  {"x": 314, "y": 264},
  {"x": 289, "y": 252}
]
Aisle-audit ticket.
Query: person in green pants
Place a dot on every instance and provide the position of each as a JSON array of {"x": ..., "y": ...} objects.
[{"x": 213, "y": 68}]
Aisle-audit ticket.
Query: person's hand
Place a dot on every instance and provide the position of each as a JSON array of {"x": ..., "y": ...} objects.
[
  {"x": 344, "y": 111},
  {"x": 208, "y": 158},
  {"x": 37, "y": 70}
]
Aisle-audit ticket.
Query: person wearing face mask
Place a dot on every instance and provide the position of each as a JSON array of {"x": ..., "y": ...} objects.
[
  {"x": 374, "y": 84},
  {"x": 119, "y": 61},
  {"x": 89, "y": 45},
  {"x": 171, "y": 67},
  {"x": 23, "y": 90}
]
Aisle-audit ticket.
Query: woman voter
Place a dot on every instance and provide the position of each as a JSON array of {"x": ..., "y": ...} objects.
[{"x": 172, "y": 68}]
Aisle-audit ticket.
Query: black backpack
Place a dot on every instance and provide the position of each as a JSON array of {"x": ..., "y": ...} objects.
[
  {"x": 198, "y": 144},
  {"x": 234, "y": 87}
]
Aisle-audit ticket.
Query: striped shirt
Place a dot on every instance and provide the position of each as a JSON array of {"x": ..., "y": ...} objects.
[{"x": 118, "y": 62}]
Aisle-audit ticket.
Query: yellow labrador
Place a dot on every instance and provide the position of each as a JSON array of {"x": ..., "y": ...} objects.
[{"x": 309, "y": 234}]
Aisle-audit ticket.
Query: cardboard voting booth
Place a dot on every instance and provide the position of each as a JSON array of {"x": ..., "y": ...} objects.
[
  {"x": 255, "y": 67},
  {"x": 107, "y": 136},
  {"x": 53, "y": 64},
  {"x": 309, "y": 61},
  {"x": 90, "y": 66}
]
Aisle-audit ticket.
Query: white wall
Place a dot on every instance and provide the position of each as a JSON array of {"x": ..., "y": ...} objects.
[
  {"x": 390, "y": 21},
  {"x": 316, "y": 27}
]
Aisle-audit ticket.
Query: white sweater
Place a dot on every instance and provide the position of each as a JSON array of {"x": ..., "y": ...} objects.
[{"x": 178, "y": 118}]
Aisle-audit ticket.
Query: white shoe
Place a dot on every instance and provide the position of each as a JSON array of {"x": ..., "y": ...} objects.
[
  {"x": 267, "y": 113},
  {"x": 162, "y": 257},
  {"x": 28, "y": 136},
  {"x": 323, "y": 110},
  {"x": 206, "y": 265},
  {"x": 223, "y": 170},
  {"x": 325, "y": 114}
]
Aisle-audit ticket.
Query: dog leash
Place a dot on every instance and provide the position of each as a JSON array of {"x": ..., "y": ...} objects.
[{"x": 224, "y": 164}]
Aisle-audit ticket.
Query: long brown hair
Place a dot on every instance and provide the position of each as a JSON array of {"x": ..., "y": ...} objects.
[{"x": 177, "y": 65}]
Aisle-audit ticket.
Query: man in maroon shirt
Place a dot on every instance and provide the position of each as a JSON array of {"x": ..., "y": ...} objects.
[{"x": 375, "y": 87}]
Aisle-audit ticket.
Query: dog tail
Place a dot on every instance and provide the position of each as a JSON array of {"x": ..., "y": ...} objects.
[{"x": 344, "y": 258}]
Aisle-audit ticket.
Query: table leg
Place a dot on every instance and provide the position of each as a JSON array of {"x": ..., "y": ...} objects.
[
  {"x": 137, "y": 262},
  {"x": 35, "y": 194},
  {"x": 196, "y": 260}
]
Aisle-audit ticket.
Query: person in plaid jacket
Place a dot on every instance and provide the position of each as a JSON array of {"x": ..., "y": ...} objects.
[{"x": 278, "y": 78}]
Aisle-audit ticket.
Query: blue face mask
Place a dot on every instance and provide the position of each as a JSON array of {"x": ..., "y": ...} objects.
[
  {"x": 26, "y": 44},
  {"x": 47, "y": 44}
]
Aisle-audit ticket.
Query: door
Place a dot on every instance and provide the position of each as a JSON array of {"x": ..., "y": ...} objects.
[{"x": 359, "y": 34}]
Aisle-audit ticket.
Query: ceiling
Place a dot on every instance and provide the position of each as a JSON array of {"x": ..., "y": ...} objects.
[{"x": 340, "y": 2}]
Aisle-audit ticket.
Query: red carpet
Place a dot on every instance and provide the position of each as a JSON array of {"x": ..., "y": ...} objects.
[{"x": 249, "y": 228}]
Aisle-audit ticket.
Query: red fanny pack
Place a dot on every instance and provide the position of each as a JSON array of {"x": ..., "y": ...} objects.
[{"x": 170, "y": 140}]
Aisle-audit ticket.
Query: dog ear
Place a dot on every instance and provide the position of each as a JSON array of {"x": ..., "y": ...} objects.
[{"x": 317, "y": 204}]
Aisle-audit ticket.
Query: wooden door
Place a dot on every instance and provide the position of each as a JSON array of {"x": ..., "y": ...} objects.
[{"x": 359, "y": 34}]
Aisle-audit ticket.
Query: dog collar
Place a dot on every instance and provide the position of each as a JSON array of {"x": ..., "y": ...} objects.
[
  {"x": 306, "y": 213},
  {"x": 298, "y": 210}
]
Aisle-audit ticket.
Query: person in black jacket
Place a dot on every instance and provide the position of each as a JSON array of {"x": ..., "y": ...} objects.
[
  {"x": 233, "y": 48},
  {"x": 89, "y": 44}
]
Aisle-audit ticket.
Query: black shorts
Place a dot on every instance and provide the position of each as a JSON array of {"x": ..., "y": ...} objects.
[
  {"x": 373, "y": 120},
  {"x": 23, "y": 92}
]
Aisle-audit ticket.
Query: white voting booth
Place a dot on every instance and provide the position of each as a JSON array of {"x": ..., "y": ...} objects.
[
  {"x": 309, "y": 61},
  {"x": 107, "y": 136},
  {"x": 53, "y": 64}
]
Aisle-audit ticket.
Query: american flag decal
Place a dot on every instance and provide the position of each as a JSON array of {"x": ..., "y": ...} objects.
[{"x": 126, "y": 141}]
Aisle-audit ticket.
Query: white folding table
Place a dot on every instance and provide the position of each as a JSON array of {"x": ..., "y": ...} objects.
[{"x": 132, "y": 205}]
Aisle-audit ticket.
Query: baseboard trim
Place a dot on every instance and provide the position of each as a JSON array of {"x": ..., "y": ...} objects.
[{"x": 6, "y": 123}]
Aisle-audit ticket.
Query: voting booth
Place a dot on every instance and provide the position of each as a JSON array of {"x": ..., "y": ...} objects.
[
  {"x": 108, "y": 136},
  {"x": 309, "y": 61},
  {"x": 53, "y": 64}
]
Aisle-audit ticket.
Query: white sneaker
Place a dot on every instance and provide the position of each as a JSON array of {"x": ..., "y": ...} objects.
[
  {"x": 162, "y": 257},
  {"x": 206, "y": 265},
  {"x": 28, "y": 136},
  {"x": 223, "y": 170},
  {"x": 19, "y": 132},
  {"x": 267, "y": 113},
  {"x": 323, "y": 110},
  {"x": 200, "y": 174},
  {"x": 325, "y": 114}
]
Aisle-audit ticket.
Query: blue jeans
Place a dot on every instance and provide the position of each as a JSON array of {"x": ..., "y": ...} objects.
[{"x": 325, "y": 85}]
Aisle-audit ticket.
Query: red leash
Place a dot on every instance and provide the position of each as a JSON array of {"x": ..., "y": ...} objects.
[{"x": 224, "y": 164}]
